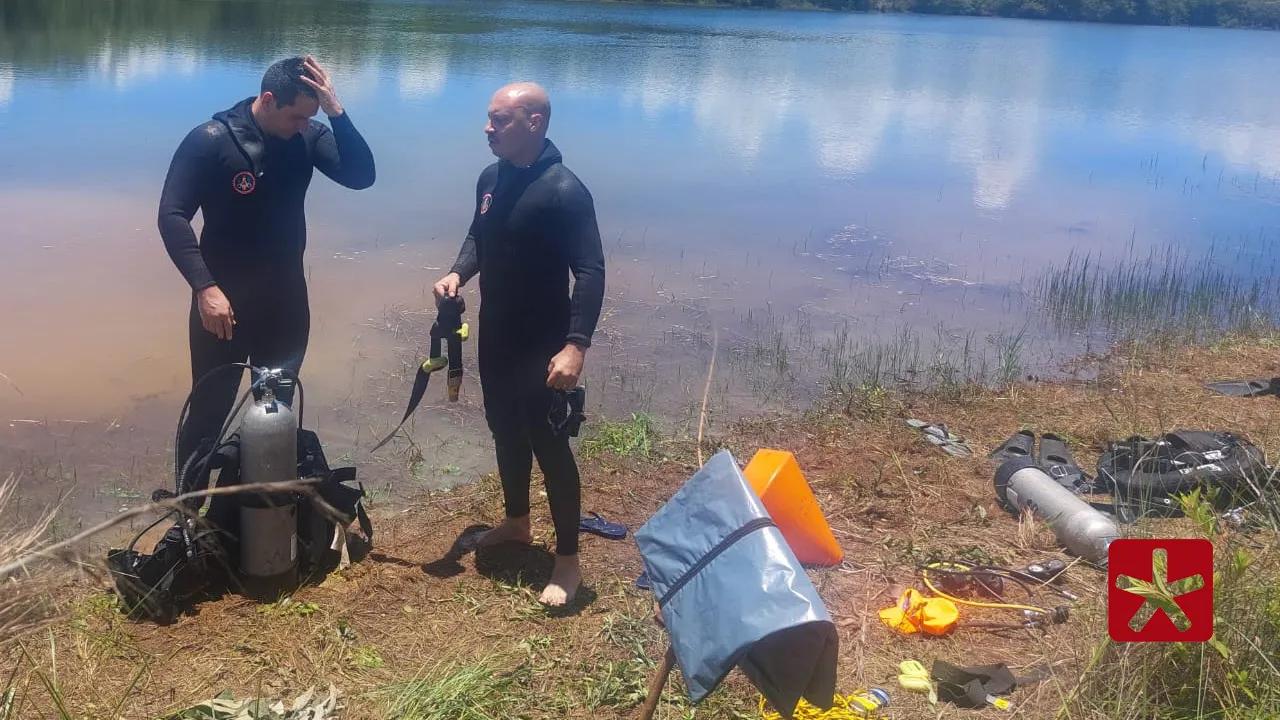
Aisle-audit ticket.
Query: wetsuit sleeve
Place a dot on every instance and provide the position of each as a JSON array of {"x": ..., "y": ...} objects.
[
  {"x": 581, "y": 236},
  {"x": 178, "y": 204},
  {"x": 468, "y": 262},
  {"x": 343, "y": 155}
]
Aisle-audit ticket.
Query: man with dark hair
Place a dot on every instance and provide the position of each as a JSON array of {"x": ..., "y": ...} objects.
[
  {"x": 248, "y": 170},
  {"x": 534, "y": 225}
]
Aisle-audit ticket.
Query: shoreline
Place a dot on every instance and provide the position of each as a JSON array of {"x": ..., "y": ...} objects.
[{"x": 396, "y": 630}]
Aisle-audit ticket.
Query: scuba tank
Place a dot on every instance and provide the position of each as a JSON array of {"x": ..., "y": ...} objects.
[
  {"x": 1022, "y": 485},
  {"x": 263, "y": 543},
  {"x": 269, "y": 521}
]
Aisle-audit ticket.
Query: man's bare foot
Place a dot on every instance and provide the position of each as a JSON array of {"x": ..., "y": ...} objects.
[
  {"x": 517, "y": 530},
  {"x": 566, "y": 576}
]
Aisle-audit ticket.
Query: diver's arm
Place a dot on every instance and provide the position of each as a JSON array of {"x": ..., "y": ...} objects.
[
  {"x": 581, "y": 236},
  {"x": 179, "y": 201},
  {"x": 343, "y": 155},
  {"x": 468, "y": 262}
]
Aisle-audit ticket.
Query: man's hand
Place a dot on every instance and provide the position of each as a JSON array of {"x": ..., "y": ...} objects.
[
  {"x": 447, "y": 286},
  {"x": 319, "y": 81},
  {"x": 565, "y": 368},
  {"x": 215, "y": 312}
]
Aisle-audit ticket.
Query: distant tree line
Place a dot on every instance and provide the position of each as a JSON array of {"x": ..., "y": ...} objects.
[{"x": 1222, "y": 13}]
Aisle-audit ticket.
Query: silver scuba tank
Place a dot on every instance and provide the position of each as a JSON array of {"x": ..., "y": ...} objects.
[
  {"x": 268, "y": 521},
  {"x": 1086, "y": 532}
]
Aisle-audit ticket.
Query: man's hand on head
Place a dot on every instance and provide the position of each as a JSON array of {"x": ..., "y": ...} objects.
[
  {"x": 566, "y": 367},
  {"x": 318, "y": 79},
  {"x": 216, "y": 314}
]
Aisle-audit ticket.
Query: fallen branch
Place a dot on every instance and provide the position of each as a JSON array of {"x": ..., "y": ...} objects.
[
  {"x": 11, "y": 383},
  {"x": 175, "y": 503},
  {"x": 706, "y": 391}
]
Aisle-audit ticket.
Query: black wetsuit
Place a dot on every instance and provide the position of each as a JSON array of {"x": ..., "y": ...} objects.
[
  {"x": 251, "y": 189},
  {"x": 532, "y": 227}
]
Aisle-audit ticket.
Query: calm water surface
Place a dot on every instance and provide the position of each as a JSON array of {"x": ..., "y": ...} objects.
[{"x": 752, "y": 171}]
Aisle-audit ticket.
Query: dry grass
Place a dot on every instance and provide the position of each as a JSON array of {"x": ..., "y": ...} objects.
[
  {"x": 26, "y": 598},
  {"x": 415, "y": 627}
]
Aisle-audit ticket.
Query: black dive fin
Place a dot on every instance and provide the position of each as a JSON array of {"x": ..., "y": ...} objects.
[
  {"x": 1017, "y": 446},
  {"x": 419, "y": 389},
  {"x": 1056, "y": 460},
  {"x": 1246, "y": 388}
]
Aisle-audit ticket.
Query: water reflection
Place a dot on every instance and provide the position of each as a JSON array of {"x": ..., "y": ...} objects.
[
  {"x": 732, "y": 155},
  {"x": 126, "y": 66},
  {"x": 986, "y": 98},
  {"x": 1000, "y": 140},
  {"x": 6, "y": 84},
  {"x": 423, "y": 74},
  {"x": 761, "y": 116}
]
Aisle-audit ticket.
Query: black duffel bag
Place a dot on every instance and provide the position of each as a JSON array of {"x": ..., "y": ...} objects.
[{"x": 1150, "y": 473}]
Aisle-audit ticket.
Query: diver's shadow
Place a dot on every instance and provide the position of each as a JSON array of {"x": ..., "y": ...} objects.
[
  {"x": 448, "y": 565},
  {"x": 512, "y": 563},
  {"x": 385, "y": 559},
  {"x": 528, "y": 565},
  {"x": 515, "y": 564}
]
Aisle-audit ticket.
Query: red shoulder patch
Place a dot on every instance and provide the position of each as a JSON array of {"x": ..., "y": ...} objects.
[{"x": 244, "y": 182}]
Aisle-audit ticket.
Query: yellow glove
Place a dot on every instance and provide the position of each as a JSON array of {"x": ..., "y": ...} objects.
[{"x": 915, "y": 678}]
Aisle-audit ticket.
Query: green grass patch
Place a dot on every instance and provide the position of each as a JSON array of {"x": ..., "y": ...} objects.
[
  {"x": 628, "y": 438},
  {"x": 476, "y": 691},
  {"x": 1234, "y": 676}
]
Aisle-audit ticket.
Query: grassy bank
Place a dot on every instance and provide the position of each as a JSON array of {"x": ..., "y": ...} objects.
[{"x": 417, "y": 631}]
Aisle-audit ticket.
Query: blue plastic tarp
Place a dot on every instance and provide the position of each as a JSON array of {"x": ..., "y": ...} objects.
[{"x": 732, "y": 593}]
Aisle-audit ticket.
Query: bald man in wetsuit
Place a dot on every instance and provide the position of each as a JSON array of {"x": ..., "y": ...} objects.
[{"x": 534, "y": 226}]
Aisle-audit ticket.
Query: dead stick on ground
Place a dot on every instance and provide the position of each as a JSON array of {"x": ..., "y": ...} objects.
[
  {"x": 663, "y": 671},
  {"x": 174, "y": 503},
  {"x": 656, "y": 683},
  {"x": 706, "y": 391},
  {"x": 11, "y": 383}
]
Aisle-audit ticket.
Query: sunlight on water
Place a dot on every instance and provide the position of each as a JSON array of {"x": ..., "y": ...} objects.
[{"x": 849, "y": 177}]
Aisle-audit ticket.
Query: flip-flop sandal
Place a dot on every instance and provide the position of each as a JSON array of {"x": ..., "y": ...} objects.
[
  {"x": 643, "y": 582},
  {"x": 938, "y": 434},
  {"x": 1017, "y": 446},
  {"x": 596, "y": 525}
]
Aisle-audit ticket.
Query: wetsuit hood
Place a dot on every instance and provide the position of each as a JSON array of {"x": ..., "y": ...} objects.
[{"x": 245, "y": 132}]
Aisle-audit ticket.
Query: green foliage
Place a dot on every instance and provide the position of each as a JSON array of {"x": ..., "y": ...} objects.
[
  {"x": 629, "y": 438},
  {"x": 1233, "y": 676},
  {"x": 367, "y": 657},
  {"x": 288, "y": 606},
  {"x": 1161, "y": 295},
  {"x": 470, "y": 692},
  {"x": 952, "y": 366}
]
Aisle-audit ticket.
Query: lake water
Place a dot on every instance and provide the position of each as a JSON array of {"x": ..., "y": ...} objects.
[{"x": 763, "y": 176}]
